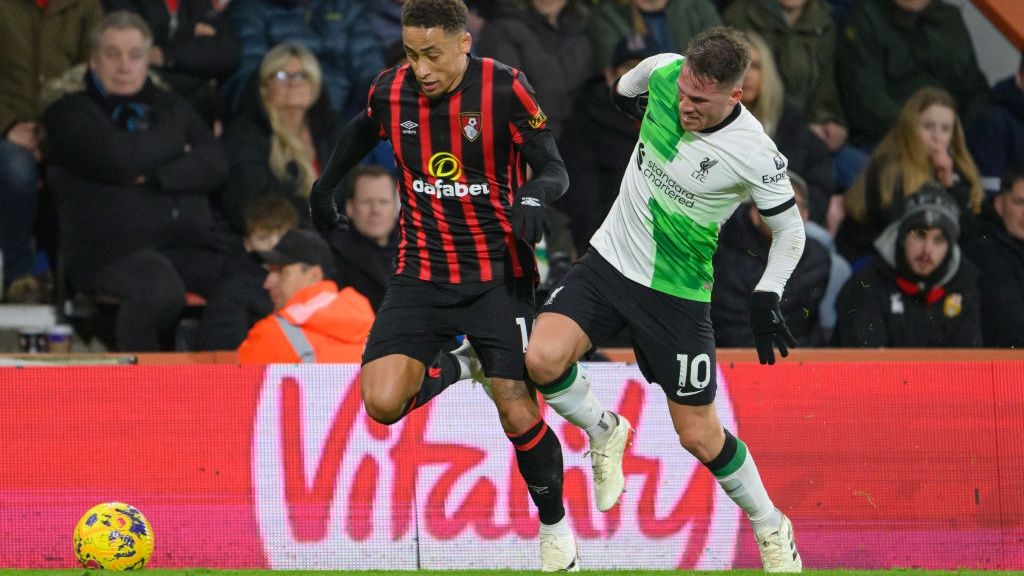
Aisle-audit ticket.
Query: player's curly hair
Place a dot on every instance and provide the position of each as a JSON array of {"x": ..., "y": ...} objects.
[
  {"x": 721, "y": 54},
  {"x": 448, "y": 15}
]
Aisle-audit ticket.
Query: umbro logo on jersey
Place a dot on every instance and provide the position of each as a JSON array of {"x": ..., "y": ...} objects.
[{"x": 409, "y": 127}]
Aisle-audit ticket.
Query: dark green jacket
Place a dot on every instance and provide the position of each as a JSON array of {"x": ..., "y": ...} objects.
[
  {"x": 612, "y": 20},
  {"x": 804, "y": 54},
  {"x": 37, "y": 45},
  {"x": 886, "y": 54}
]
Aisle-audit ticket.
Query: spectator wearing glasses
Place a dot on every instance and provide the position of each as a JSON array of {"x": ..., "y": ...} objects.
[{"x": 277, "y": 147}]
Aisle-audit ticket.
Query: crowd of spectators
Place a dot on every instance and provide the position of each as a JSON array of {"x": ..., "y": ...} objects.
[{"x": 156, "y": 151}]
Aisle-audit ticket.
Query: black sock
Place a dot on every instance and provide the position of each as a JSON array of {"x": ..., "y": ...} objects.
[
  {"x": 539, "y": 455},
  {"x": 440, "y": 375},
  {"x": 716, "y": 464}
]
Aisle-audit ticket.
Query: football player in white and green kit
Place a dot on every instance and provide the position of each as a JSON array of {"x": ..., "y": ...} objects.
[{"x": 700, "y": 155}]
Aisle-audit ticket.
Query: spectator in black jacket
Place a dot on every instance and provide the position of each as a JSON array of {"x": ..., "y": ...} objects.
[
  {"x": 277, "y": 146},
  {"x": 999, "y": 255},
  {"x": 548, "y": 41},
  {"x": 739, "y": 264},
  {"x": 596, "y": 145},
  {"x": 918, "y": 293},
  {"x": 133, "y": 167},
  {"x": 365, "y": 252},
  {"x": 192, "y": 48},
  {"x": 240, "y": 299}
]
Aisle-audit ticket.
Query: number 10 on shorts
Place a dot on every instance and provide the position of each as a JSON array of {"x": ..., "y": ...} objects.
[{"x": 697, "y": 373}]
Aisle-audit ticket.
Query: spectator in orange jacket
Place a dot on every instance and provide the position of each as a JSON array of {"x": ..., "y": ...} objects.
[{"x": 312, "y": 321}]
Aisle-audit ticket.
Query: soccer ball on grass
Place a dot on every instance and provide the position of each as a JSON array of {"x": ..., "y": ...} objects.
[{"x": 113, "y": 536}]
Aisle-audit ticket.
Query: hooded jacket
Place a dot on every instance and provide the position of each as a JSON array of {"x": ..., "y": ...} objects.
[
  {"x": 879, "y": 308},
  {"x": 334, "y": 323},
  {"x": 996, "y": 138}
]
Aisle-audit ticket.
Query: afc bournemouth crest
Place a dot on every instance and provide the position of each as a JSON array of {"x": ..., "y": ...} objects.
[{"x": 470, "y": 125}]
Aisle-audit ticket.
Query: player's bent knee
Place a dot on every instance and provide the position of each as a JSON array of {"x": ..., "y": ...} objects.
[
  {"x": 546, "y": 361},
  {"x": 382, "y": 409},
  {"x": 700, "y": 443}
]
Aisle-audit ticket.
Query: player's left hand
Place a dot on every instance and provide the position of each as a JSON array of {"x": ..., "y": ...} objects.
[
  {"x": 528, "y": 218},
  {"x": 769, "y": 327}
]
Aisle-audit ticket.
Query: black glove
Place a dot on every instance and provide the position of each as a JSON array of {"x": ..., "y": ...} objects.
[
  {"x": 769, "y": 327},
  {"x": 635, "y": 106},
  {"x": 528, "y": 218},
  {"x": 324, "y": 212}
]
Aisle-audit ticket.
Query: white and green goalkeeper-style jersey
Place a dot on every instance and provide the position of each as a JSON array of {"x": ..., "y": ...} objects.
[{"x": 680, "y": 187}]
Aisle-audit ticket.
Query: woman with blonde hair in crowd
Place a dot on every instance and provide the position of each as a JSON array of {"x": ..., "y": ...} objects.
[
  {"x": 280, "y": 140},
  {"x": 764, "y": 96},
  {"x": 926, "y": 145}
]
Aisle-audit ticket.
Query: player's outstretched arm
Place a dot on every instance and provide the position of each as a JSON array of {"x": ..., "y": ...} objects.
[
  {"x": 356, "y": 140},
  {"x": 550, "y": 180},
  {"x": 766, "y": 320}
]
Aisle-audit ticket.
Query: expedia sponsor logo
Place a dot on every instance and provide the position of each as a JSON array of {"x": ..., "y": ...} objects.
[
  {"x": 447, "y": 170},
  {"x": 668, "y": 186}
]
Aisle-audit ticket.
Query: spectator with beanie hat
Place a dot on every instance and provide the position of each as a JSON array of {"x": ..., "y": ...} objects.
[
  {"x": 919, "y": 292},
  {"x": 312, "y": 321}
]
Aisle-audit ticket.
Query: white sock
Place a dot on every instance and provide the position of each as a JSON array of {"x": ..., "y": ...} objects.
[
  {"x": 745, "y": 488},
  {"x": 560, "y": 527},
  {"x": 574, "y": 402}
]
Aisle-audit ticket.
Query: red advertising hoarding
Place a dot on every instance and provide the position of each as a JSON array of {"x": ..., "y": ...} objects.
[{"x": 877, "y": 464}]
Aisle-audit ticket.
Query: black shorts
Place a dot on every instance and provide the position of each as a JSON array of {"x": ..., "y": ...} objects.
[
  {"x": 672, "y": 337},
  {"x": 419, "y": 318}
]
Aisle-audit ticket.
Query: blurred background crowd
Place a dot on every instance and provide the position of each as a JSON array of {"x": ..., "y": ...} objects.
[{"x": 149, "y": 149}]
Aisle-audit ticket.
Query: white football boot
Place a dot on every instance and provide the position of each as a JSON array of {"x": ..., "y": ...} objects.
[
  {"x": 558, "y": 551},
  {"x": 778, "y": 548},
  {"x": 606, "y": 461}
]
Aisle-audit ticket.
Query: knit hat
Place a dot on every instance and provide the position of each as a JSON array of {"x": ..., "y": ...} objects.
[{"x": 931, "y": 207}]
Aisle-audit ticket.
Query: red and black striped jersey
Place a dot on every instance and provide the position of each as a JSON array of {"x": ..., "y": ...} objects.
[{"x": 459, "y": 168}]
